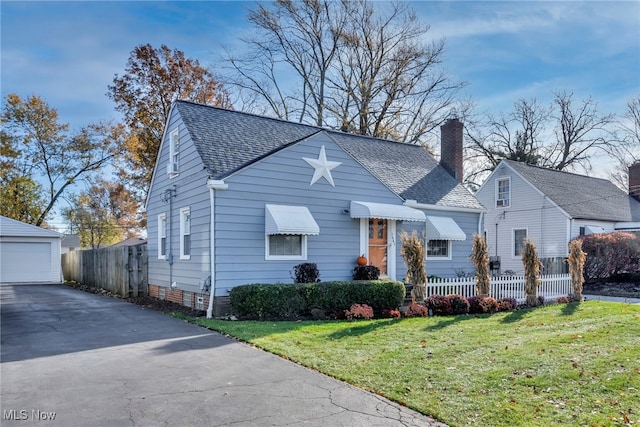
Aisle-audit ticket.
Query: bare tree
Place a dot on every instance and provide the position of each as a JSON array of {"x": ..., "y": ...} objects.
[
  {"x": 562, "y": 136},
  {"x": 580, "y": 130},
  {"x": 388, "y": 81},
  {"x": 345, "y": 65},
  {"x": 628, "y": 136},
  {"x": 294, "y": 37}
]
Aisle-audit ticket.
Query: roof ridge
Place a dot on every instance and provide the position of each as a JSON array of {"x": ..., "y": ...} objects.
[
  {"x": 556, "y": 170},
  {"x": 319, "y": 128},
  {"x": 245, "y": 113}
]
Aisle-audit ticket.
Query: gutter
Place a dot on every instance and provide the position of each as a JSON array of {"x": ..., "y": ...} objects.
[
  {"x": 414, "y": 204},
  {"x": 213, "y": 185}
]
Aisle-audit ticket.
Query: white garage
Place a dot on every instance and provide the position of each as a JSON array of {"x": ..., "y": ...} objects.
[{"x": 28, "y": 254}]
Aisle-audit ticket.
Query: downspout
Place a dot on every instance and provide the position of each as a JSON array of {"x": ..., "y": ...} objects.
[{"x": 213, "y": 186}]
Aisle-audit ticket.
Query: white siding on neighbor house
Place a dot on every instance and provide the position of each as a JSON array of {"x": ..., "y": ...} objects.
[
  {"x": 546, "y": 224},
  {"x": 608, "y": 226},
  {"x": 190, "y": 192}
]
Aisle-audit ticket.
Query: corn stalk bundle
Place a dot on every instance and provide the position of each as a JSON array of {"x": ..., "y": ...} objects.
[
  {"x": 576, "y": 262},
  {"x": 414, "y": 253},
  {"x": 532, "y": 266},
  {"x": 480, "y": 258}
]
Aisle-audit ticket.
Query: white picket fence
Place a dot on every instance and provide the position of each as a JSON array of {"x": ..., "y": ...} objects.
[{"x": 552, "y": 287}]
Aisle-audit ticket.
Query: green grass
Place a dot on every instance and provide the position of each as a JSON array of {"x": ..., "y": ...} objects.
[{"x": 556, "y": 365}]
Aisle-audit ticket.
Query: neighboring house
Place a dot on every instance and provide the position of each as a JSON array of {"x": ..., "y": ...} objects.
[
  {"x": 237, "y": 198},
  {"x": 70, "y": 242},
  {"x": 551, "y": 207},
  {"x": 131, "y": 241},
  {"x": 28, "y": 254}
]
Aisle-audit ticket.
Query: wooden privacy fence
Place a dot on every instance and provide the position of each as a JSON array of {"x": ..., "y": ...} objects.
[
  {"x": 552, "y": 286},
  {"x": 122, "y": 270}
]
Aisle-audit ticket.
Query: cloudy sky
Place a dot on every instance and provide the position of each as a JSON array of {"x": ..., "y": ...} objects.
[{"x": 69, "y": 52}]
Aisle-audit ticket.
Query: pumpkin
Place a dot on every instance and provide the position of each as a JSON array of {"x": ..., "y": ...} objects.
[{"x": 361, "y": 260}]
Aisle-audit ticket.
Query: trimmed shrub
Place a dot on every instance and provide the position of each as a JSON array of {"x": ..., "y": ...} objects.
[
  {"x": 507, "y": 304},
  {"x": 366, "y": 272},
  {"x": 459, "y": 304},
  {"x": 359, "y": 311},
  {"x": 479, "y": 305},
  {"x": 306, "y": 272},
  {"x": 297, "y": 300},
  {"x": 439, "y": 305},
  {"x": 416, "y": 310},
  {"x": 388, "y": 313}
]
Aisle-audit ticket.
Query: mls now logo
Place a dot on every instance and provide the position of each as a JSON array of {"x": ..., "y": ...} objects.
[{"x": 23, "y": 414}]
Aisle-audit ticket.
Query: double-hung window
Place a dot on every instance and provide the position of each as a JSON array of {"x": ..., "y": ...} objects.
[
  {"x": 503, "y": 193},
  {"x": 173, "y": 168},
  {"x": 162, "y": 236},
  {"x": 519, "y": 236},
  {"x": 287, "y": 246},
  {"x": 185, "y": 233},
  {"x": 439, "y": 249}
]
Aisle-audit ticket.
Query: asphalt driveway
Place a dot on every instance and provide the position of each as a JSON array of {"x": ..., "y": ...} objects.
[{"x": 71, "y": 358}]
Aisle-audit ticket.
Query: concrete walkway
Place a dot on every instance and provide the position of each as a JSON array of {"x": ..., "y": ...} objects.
[{"x": 79, "y": 359}]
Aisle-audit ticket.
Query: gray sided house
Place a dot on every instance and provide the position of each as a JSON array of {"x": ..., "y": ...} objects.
[
  {"x": 551, "y": 207},
  {"x": 237, "y": 198}
]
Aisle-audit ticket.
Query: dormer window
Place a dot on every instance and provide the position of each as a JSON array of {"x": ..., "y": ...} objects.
[
  {"x": 503, "y": 193},
  {"x": 173, "y": 168}
]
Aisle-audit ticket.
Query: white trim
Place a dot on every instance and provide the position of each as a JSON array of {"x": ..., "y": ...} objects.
[
  {"x": 173, "y": 166},
  {"x": 440, "y": 258},
  {"x": 391, "y": 244},
  {"x": 385, "y": 211},
  {"x": 213, "y": 185},
  {"x": 509, "y": 199},
  {"x": 301, "y": 257},
  {"x": 391, "y": 249},
  {"x": 424, "y": 206},
  {"x": 183, "y": 232},
  {"x": 364, "y": 237},
  {"x": 162, "y": 219}
]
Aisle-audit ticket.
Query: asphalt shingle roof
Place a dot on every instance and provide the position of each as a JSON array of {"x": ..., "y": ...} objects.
[
  {"x": 582, "y": 197},
  {"x": 229, "y": 140}
]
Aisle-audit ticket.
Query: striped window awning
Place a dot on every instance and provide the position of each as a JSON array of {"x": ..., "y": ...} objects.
[
  {"x": 284, "y": 219},
  {"x": 443, "y": 228},
  {"x": 385, "y": 211}
]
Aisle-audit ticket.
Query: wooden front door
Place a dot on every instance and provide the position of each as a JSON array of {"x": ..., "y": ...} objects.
[{"x": 378, "y": 244}]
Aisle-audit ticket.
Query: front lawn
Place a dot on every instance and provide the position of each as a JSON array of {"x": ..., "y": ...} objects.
[{"x": 566, "y": 364}]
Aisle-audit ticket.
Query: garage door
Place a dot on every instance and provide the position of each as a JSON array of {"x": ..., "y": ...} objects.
[{"x": 25, "y": 262}]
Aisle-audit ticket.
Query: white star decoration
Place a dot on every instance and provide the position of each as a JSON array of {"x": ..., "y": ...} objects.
[{"x": 322, "y": 167}]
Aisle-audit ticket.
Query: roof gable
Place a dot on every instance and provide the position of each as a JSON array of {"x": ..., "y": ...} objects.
[
  {"x": 229, "y": 140},
  {"x": 582, "y": 197},
  {"x": 14, "y": 228}
]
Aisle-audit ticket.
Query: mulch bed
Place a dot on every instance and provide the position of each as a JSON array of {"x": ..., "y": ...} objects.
[{"x": 146, "y": 302}]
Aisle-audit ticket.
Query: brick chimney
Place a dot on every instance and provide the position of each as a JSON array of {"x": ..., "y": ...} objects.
[
  {"x": 634, "y": 180},
  {"x": 451, "y": 148}
]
